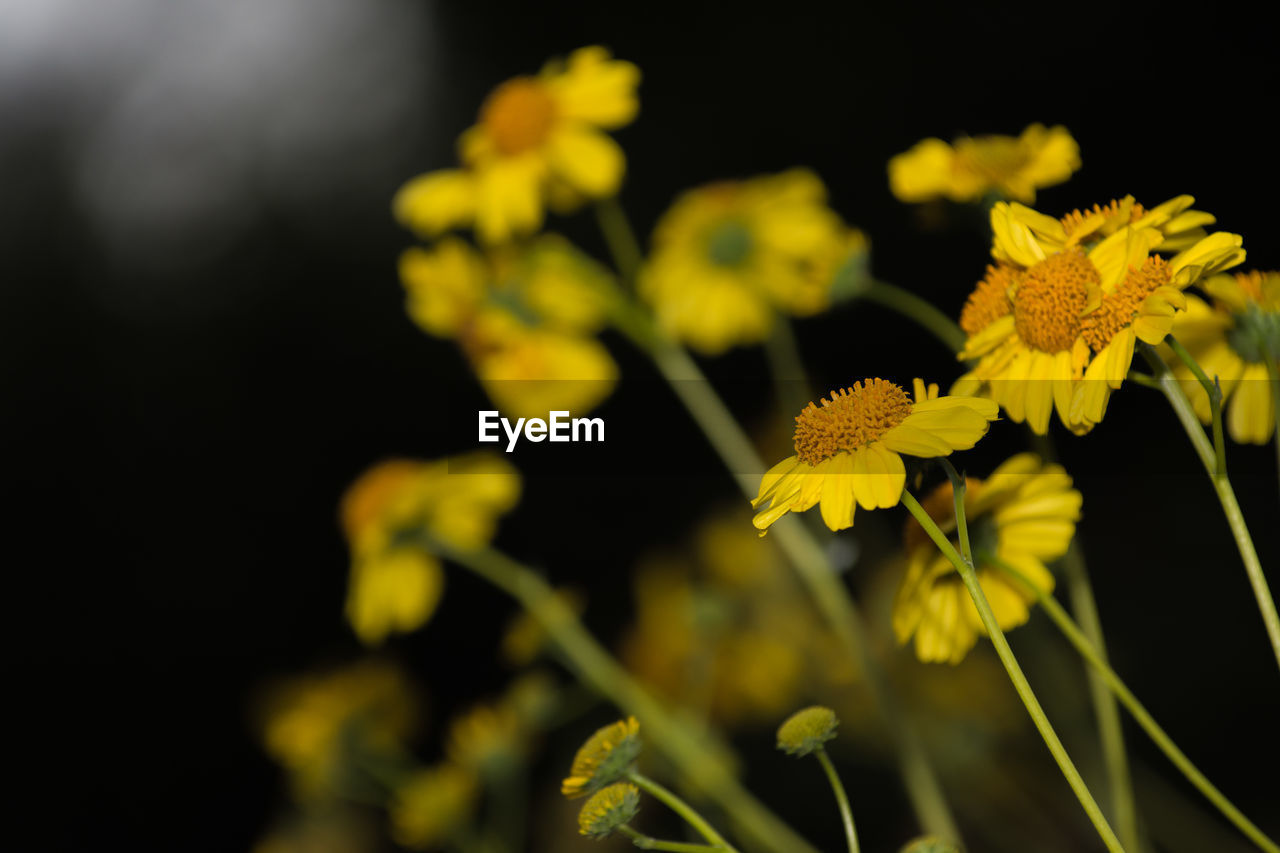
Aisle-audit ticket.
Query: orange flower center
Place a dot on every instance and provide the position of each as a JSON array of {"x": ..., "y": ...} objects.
[
  {"x": 1120, "y": 306},
  {"x": 989, "y": 300},
  {"x": 518, "y": 115},
  {"x": 852, "y": 418},
  {"x": 1051, "y": 298}
]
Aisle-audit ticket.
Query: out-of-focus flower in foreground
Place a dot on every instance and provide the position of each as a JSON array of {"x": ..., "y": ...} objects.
[
  {"x": 320, "y": 727},
  {"x": 524, "y": 317},
  {"x": 537, "y": 141},
  {"x": 1232, "y": 340},
  {"x": 1012, "y": 166},
  {"x": 1024, "y": 515},
  {"x": 727, "y": 257},
  {"x": 395, "y": 583},
  {"x": 1054, "y": 322},
  {"x": 847, "y": 449}
]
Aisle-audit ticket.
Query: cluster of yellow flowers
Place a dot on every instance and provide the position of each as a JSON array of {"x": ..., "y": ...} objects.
[{"x": 1052, "y": 326}]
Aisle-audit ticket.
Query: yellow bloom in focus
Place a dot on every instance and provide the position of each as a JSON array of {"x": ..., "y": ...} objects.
[
  {"x": 433, "y": 805},
  {"x": 1024, "y": 514},
  {"x": 538, "y": 140},
  {"x": 847, "y": 449},
  {"x": 395, "y": 583},
  {"x": 1014, "y": 167},
  {"x": 604, "y": 759},
  {"x": 1054, "y": 322},
  {"x": 525, "y": 319},
  {"x": 318, "y": 726},
  {"x": 728, "y": 256},
  {"x": 1233, "y": 340}
]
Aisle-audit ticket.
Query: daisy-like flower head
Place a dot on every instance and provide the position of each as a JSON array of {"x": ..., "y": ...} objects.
[
  {"x": 603, "y": 759},
  {"x": 1014, "y": 167},
  {"x": 1054, "y": 321},
  {"x": 525, "y": 319},
  {"x": 727, "y": 257},
  {"x": 395, "y": 585},
  {"x": 847, "y": 449},
  {"x": 1233, "y": 339},
  {"x": 1024, "y": 515},
  {"x": 538, "y": 140},
  {"x": 608, "y": 809},
  {"x": 433, "y": 805},
  {"x": 807, "y": 730}
]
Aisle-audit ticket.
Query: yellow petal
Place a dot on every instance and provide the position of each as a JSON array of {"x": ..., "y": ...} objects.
[
  {"x": 586, "y": 159},
  {"x": 837, "y": 502}
]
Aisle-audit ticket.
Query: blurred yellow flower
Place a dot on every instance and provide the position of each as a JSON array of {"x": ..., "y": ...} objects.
[
  {"x": 433, "y": 805},
  {"x": 847, "y": 449},
  {"x": 730, "y": 635},
  {"x": 727, "y": 256},
  {"x": 524, "y": 317},
  {"x": 1024, "y": 515},
  {"x": 1014, "y": 167},
  {"x": 395, "y": 583},
  {"x": 605, "y": 758},
  {"x": 1232, "y": 340},
  {"x": 1054, "y": 322},
  {"x": 537, "y": 140},
  {"x": 320, "y": 726}
]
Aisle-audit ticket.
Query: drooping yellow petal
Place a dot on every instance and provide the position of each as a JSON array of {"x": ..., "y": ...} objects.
[
  {"x": 436, "y": 202},
  {"x": 838, "y": 497},
  {"x": 1251, "y": 415},
  {"x": 879, "y": 476}
]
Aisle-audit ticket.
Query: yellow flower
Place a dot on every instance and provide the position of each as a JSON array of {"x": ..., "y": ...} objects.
[
  {"x": 1232, "y": 340},
  {"x": 316, "y": 726},
  {"x": 1054, "y": 322},
  {"x": 847, "y": 449},
  {"x": 604, "y": 759},
  {"x": 609, "y": 809},
  {"x": 432, "y": 805},
  {"x": 395, "y": 583},
  {"x": 728, "y": 256},
  {"x": 537, "y": 140},
  {"x": 525, "y": 319},
  {"x": 1014, "y": 167},
  {"x": 1024, "y": 514}
]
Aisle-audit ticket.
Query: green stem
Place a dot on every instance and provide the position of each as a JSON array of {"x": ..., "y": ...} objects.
[
  {"x": 842, "y": 799},
  {"x": 914, "y": 308},
  {"x": 1226, "y": 494},
  {"x": 645, "y": 842},
  {"x": 1110, "y": 729},
  {"x": 680, "y": 807},
  {"x": 621, "y": 240},
  {"x": 702, "y": 766},
  {"x": 808, "y": 558},
  {"x": 1105, "y": 709},
  {"x": 787, "y": 368},
  {"x": 1097, "y": 660},
  {"x": 1214, "y": 391},
  {"x": 970, "y": 578}
]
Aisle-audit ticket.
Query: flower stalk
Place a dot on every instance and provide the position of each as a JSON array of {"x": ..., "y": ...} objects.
[
  {"x": 1226, "y": 494},
  {"x": 842, "y": 799},
  {"x": 970, "y": 578},
  {"x": 680, "y": 807},
  {"x": 1097, "y": 661}
]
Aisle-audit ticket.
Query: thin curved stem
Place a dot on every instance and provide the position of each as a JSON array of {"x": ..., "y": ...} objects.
[
  {"x": 1095, "y": 658},
  {"x": 842, "y": 799},
  {"x": 680, "y": 807},
  {"x": 1214, "y": 391},
  {"x": 704, "y": 767},
  {"x": 621, "y": 240},
  {"x": 970, "y": 578},
  {"x": 645, "y": 842},
  {"x": 914, "y": 308},
  {"x": 787, "y": 367},
  {"x": 807, "y": 557},
  {"x": 1226, "y": 494}
]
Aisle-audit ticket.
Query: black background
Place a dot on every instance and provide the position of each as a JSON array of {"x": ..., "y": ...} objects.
[{"x": 174, "y": 471}]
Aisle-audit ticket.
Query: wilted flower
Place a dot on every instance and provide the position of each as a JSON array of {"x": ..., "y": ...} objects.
[
  {"x": 604, "y": 759},
  {"x": 609, "y": 809}
]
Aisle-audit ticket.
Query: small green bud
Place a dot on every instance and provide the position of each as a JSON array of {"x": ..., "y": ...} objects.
[{"x": 807, "y": 730}]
